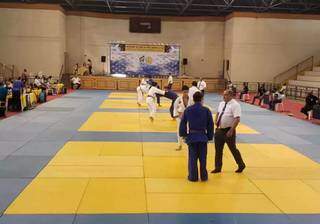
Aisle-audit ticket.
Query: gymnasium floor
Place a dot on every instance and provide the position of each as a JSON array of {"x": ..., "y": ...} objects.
[{"x": 94, "y": 157}]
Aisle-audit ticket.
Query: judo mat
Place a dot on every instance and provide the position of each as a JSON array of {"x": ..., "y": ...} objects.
[{"x": 120, "y": 181}]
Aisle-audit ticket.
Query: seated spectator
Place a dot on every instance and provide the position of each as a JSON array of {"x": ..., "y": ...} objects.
[
  {"x": 311, "y": 100},
  {"x": 260, "y": 93},
  {"x": 24, "y": 76},
  {"x": 17, "y": 88},
  {"x": 232, "y": 87},
  {"x": 75, "y": 82},
  {"x": 3, "y": 98},
  {"x": 245, "y": 90},
  {"x": 83, "y": 70},
  {"x": 3, "y": 92},
  {"x": 276, "y": 98},
  {"x": 76, "y": 69},
  {"x": 37, "y": 82},
  {"x": 283, "y": 88},
  {"x": 9, "y": 85}
]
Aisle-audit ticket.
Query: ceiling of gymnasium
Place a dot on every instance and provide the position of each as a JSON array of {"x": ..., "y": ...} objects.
[{"x": 185, "y": 7}]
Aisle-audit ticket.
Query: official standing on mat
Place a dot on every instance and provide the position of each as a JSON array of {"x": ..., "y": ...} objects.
[
  {"x": 227, "y": 120},
  {"x": 151, "y": 99},
  {"x": 197, "y": 127}
]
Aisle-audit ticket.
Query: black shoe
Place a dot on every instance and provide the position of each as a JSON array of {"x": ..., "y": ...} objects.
[
  {"x": 193, "y": 180},
  {"x": 240, "y": 169},
  {"x": 216, "y": 171}
]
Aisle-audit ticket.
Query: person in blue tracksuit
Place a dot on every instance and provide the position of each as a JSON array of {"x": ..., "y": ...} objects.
[{"x": 199, "y": 120}]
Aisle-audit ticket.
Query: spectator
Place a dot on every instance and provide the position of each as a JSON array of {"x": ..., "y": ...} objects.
[
  {"x": 90, "y": 66},
  {"x": 245, "y": 90},
  {"x": 76, "y": 69},
  {"x": 3, "y": 92},
  {"x": 277, "y": 97},
  {"x": 37, "y": 81},
  {"x": 24, "y": 76},
  {"x": 283, "y": 88},
  {"x": 9, "y": 84},
  {"x": 17, "y": 88},
  {"x": 311, "y": 100},
  {"x": 75, "y": 82},
  {"x": 232, "y": 87},
  {"x": 83, "y": 70},
  {"x": 260, "y": 93}
]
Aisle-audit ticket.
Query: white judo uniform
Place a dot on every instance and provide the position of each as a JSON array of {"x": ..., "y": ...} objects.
[
  {"x": 151, "y": 100},
  {"x": 192, "y": 90},
  {"x": 142, "y": 89},
  {"x": 178, "y": 109}
]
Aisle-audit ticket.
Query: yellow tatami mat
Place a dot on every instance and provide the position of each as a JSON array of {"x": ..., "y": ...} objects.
[
  {"x": 123, "y": 95},
  {"x": 139, "y": 177},
  {"x": 114, "y": 196},
  {"x": 134, "y": 122},
  {"x": 130, "y": 104},
  {"x": 210, "y": 203}
]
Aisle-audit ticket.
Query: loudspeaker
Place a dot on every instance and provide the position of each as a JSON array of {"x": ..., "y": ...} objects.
[
  {"x": 227, "y": 65},
  {"x": 185, "y": 61},
  {"x": 103, "y": 58}
]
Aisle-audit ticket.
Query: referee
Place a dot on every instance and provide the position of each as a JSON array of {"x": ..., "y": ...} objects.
[{"x": 227, "y": 120}]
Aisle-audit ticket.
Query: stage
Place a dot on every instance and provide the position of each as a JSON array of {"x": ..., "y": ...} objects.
[{"x": 127, "y": 84}]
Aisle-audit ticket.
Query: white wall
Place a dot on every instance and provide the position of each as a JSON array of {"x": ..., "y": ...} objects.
[
  {"x": 201, "y": 42},
  {"x": 33, "y": 39},
  {"x": 258, "y": 48},
  {"x": 261, "y": 48}
]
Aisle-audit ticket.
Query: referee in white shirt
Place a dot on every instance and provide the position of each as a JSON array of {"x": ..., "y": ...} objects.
[{"x": 227, "y": 120}]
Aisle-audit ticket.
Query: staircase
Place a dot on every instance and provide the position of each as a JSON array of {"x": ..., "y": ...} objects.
[
  {"x": 301, "y": 78},
  {"x": 308, "y": 79}
]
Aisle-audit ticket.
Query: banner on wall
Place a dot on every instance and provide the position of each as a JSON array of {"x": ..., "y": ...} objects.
[{"x": 144, "y": 59}]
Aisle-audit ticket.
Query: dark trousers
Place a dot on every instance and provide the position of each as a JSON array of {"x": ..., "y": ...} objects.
[
  {"x": 257, "y": 97},
  {"x": 220, "y": 138},
  {"x": 272, "y": 104},
  {"x": 75, "y": 86},
  {"x": 171, "y": 108},
  {"x": 306, "y": 109},
  {"x": 202, "y": 91},
  {"x": 90, "y": 70},
  {"x": 197, "y": 151},
  {"x": 158, "y": 99},
  {"x": 16, "y": 100},
  {"x": 241, "y": 94},
  {"x": 170, "y": 86}
]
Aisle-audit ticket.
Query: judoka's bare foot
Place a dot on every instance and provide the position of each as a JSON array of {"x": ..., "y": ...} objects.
[
  {"x": 139, "y": 104},
  {"x": 151, "y": 119},
  {"x": 179, "y": 148},
  {"x": 159, "y": 105}
]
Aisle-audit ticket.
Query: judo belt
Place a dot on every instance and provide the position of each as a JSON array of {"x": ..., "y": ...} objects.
[
  {"x": 197, "y": 131},
  {"x": 224, "y": 129},
  {"x": 151, "y": 96}
]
